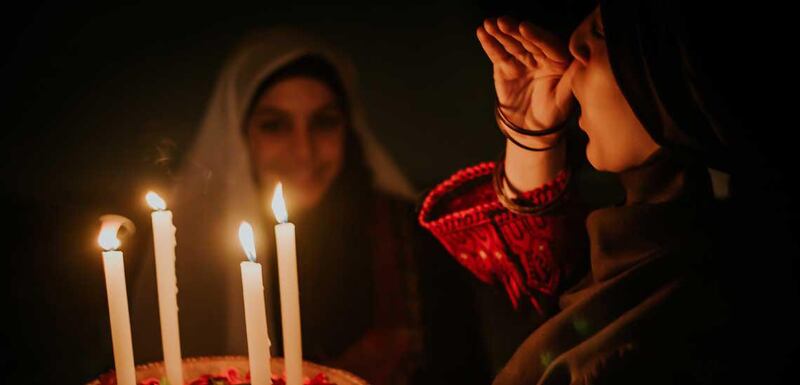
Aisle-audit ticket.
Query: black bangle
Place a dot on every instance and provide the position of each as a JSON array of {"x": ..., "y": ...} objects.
[
  {"x": 514, "y": 205},
  {"x": 524, "y": 131},
  {"x": 524, "y": 147}
]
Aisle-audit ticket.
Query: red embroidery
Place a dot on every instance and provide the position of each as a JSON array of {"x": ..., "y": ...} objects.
[{"x": 496, "y": 245}]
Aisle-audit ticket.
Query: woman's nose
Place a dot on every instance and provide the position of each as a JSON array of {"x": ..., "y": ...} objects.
[
  {"x": 578, "y": 46},
  {"x": 303, "y": 147}
]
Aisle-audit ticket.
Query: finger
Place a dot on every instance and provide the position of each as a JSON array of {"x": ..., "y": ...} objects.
[
  {"x": 549, "y": 43},
  {"x": 500, "y": 58},
  {"x": 511, "y": 44},
  {"x": 510, "y": 27},
  {"x": 563, "y": 90},
  {"x": 507, "y": 24},
  {"x": 497, "y": 54}
]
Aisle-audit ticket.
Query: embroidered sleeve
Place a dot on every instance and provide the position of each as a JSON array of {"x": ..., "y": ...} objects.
[{"x": 523, "y": 253}]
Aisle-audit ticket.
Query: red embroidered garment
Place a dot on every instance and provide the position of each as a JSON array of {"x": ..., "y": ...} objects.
[{"x": 528, "y": 254}]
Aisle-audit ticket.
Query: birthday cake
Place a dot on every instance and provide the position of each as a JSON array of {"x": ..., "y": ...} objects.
[{"x": 232, "y": 370}]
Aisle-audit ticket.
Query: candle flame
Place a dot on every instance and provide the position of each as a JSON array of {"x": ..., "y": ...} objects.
[
  {"x": 247, "y": 240},
  {"x": 155, "y": 201},
  {"x": 279, "y": 205},
  {"x": 110, "y": 227}
]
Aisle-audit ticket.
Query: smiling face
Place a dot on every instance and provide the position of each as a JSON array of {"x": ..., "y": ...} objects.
[
  {"x": 617, "y": 140},
  {"x": 296, "y": 132}
]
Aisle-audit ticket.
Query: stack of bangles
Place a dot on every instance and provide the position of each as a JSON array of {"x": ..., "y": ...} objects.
[
  {"x": 500, "y": 179},
  {"x": 503, "y": 122}
]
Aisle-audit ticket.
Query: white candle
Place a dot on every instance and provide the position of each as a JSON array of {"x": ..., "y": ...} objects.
[
  {"x": 164, "y": 245},
  {"x": 117, "y": 293},
  {"x": 290, "y": 299},
  {"x": 255, "y": 314}
]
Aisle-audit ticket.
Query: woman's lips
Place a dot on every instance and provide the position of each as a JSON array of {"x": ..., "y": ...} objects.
[
  {"x": 305, "y": 180},
  {"x": 308, "y": 177}
]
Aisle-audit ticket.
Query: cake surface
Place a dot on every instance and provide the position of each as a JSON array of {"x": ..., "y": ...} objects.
[{"x": 232, "y": 370}]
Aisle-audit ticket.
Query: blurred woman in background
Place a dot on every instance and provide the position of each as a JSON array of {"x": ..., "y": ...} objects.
[{"x": 285, "y": 109}]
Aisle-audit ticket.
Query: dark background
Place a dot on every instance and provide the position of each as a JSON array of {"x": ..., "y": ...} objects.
[{"x": 100, "y": 100}]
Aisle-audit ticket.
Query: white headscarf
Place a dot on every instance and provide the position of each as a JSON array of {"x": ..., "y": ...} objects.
[
  {"x": 215, "y": 190},
  {"x": 219, "y": 158}
]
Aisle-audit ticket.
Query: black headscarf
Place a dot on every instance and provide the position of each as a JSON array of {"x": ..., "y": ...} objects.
[
  {"x": 700, "y": 76},
  {"x": 672, "y": 71}
]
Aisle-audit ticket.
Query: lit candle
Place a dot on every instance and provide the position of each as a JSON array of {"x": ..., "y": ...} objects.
[
  {"x": 117, "y": 294},
  {"x": 290, "y": 300},
  {"x": 255, "y": 314},
  {"x": 164, "y": 245}
]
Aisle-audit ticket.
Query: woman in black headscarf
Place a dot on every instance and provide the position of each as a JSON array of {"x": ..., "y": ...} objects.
[{"x": 656, "y": 304}]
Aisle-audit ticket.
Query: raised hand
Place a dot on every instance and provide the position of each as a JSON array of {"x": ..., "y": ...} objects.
[{"x": 531, "y": 73}]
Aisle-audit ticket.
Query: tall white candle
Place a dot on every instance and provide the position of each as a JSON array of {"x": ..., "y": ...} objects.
[
  {"x": 117, "y": 293},
  {"x": 164, "y": 245},
  {"x": 290, "y": 299},
  {"x": 255, "y": 314}
]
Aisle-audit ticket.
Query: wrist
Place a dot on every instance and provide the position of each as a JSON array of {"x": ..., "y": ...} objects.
[
  {"x": 535, "y": 140},
  {"x": 528, "y": 170}
]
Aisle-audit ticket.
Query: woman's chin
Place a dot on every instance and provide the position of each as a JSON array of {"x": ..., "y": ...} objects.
[
  {"x": 594, "y": 159},
  {"x": 303, "y": 200}
]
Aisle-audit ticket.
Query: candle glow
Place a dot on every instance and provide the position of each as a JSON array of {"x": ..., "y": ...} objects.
[
  {"x": 279, "y": 205},
  {"x": 155, "y": 202},
  {"x": 110, "y": 227},
  {"x": 247, "y": 240}
]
